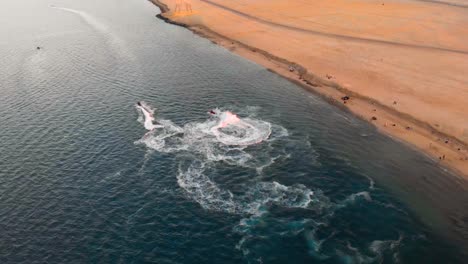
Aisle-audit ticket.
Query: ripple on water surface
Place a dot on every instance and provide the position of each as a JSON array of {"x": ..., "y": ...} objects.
[{"x": 80, "y": 183}]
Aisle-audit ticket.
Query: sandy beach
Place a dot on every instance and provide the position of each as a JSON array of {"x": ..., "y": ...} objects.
[{"x": 401, "y": 65}]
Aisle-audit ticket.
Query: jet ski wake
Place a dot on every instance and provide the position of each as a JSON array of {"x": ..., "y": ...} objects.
[
  {"x": 148, "y": 115},
  {"x": 225, "y": 142},
  {"x": 232, "y": 130},
  {"x": 223, "y": 126}
]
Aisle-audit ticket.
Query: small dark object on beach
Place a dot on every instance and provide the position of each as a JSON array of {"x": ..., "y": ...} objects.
[
  {"x": 374, "y": 110},
  {"x": 408, "y": 128},
  {"x": 394, "y": 102},
  {"x": 344, "y": 102},
  {"x": 446, "y": 141},
  {"x": 38, "y": 48},
  {"x": 458, "y": 149},
  {"x": 374, "y": 118},
  {"x": 443, "y": 157},
  {"x": 393, "y": 124},
  {"x": 345, "y": 98}
]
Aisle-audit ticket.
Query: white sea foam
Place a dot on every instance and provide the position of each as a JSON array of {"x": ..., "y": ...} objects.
[
  {"x": 381, "y": 247},
  {"x": 211, "y": 147},
  {"x": 315, "y": 244},
  {"x": 371, "y": 182},
  {"x": 204, "y": 191},
  {"x": 262, "y": 194},
  {"x": 214, "y": 138},
  {"x": 232, "y": 130},
  {"x": 354, "y": 196},
  {"x": 204, "y": 149}
]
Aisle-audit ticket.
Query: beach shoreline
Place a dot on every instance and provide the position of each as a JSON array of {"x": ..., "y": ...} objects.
[{"x": 447, "y": 150}]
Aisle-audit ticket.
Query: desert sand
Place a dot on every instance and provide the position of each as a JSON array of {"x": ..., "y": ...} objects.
[{"x": 402, "y": 63}]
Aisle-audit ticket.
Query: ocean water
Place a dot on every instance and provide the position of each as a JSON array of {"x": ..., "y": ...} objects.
[{"x": 81, "y": 181}]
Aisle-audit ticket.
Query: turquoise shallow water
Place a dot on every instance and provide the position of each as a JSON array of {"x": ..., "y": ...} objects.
[{"x": 80, "y": 183}]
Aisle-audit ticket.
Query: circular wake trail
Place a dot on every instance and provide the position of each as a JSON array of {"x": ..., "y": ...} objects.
[
  {"x": 231, "y": 130},
  {"x": 225, "y": 141}
]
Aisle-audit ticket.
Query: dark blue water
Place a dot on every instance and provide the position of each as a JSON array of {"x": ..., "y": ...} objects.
[{"x": 79, "y": 182}]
